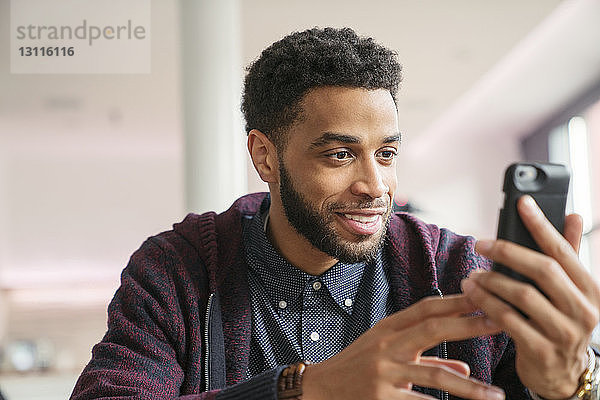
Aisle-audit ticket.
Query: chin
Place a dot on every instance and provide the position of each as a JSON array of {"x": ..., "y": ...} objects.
[{"x": 357, "y": 249}]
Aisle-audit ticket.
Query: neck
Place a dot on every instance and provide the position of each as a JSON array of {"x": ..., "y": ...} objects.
[{"x": 294, "y": 247}]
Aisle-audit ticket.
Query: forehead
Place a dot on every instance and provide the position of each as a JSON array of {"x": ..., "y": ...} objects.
[{"x": 364, "y": 113}]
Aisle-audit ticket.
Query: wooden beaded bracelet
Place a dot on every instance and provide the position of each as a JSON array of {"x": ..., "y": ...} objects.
[{"x": 289, "y": 385}]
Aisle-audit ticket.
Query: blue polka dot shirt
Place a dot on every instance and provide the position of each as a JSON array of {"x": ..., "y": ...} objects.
[{"x": 297, "y": 316}]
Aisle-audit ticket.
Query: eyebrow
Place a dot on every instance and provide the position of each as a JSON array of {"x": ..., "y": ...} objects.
[{"x": 329, "y": 137}]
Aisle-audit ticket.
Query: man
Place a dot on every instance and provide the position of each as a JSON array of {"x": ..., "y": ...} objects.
[{"x": 236, "y": 305}]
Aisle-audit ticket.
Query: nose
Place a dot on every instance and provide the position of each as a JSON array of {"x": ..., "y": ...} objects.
[{"x": 369, "y": 180}]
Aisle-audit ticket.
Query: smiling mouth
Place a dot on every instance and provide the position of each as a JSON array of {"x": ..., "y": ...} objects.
[
  {"x": 362, "y": 224},
  {"x": 365, "y": 219}
]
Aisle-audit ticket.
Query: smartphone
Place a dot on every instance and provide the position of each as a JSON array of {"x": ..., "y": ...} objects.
[{"x": 548, "y": 184}]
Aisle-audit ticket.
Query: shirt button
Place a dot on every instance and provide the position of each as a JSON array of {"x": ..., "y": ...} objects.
[
  {"x": 314, "y": 336},
  {"x": 282, "y": 304},
  {"x": 348, "y": 302},
  {"x": 316, "y": 285}
]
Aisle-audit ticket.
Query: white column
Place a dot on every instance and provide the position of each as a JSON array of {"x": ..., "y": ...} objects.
[{"x": 215, "y": 167}]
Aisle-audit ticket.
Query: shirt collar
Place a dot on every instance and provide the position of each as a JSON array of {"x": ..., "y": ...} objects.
[
  {"x": 342, "y": 280},
  {"x": 281, "y": 279}
]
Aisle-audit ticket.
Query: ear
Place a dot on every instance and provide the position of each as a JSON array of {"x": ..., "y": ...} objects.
[{"x": 264, "y": 156}]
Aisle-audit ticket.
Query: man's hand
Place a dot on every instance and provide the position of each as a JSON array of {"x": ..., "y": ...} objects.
[
  {"x": 551, "y": 344},
  {"x": 386, "y": 360}
]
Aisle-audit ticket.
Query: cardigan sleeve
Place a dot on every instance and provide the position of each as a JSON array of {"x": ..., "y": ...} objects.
[
  {"x": 153, "y": 346},
  {"x": 138, "y": 356}
]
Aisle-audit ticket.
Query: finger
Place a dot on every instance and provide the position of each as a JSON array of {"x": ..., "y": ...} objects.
[
  {"x": 545, "y": 271},
  {"x": 573, "y": 230},
  {"x": 552, "y": 243},
  {"x": 428, "y": 307},
  {"x": 432, "y": 331},
  {"x": 458, "y": 366},
  {"x": 505, "y": 316},
  {"x": 449, "y": 380},
  {"x": 554, "y": 324}
]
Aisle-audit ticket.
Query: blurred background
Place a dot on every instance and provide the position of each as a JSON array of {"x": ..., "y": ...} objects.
[{"x": 92, "y": 164}]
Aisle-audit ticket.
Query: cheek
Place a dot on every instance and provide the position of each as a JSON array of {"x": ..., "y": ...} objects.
[
  {"x": 391, "y": 180},
  {"x": 319, "y": 188},
  {"x": 317, "y": 182},
  {"x": 328, "y": 184}
]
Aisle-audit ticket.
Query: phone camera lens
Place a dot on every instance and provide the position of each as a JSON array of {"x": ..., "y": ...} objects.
[{"x": 527, "y": 173}]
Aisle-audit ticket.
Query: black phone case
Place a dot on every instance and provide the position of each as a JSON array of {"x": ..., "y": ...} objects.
[{"x": 549, "y": 190}]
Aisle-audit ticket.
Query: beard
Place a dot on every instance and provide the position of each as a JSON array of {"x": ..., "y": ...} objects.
[{"x": 318, "y": 227}]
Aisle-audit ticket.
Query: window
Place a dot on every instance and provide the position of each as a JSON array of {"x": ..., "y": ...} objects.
[
  {"x": 576, "y": 143},
  {"x": 569, "y": 144}
]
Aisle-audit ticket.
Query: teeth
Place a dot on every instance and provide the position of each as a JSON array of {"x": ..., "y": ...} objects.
[{"x": 362, "y": 218}]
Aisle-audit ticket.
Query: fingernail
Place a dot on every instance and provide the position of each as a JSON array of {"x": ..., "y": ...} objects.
[
  {"x": 484, "y": 246},
  {"x": 495, "y": 394},
  {"x": 530, "y": 206},
  {"x": 467, "y": 285}
]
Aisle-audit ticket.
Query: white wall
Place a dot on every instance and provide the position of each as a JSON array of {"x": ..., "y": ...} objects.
[{"x": 457, "y": 182}]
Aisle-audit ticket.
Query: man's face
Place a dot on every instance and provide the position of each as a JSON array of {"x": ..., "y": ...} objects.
[{"x": 337, "y": 173}]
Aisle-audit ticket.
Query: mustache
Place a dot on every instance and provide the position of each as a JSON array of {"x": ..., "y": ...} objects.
[{"x": 376, "y": 203}]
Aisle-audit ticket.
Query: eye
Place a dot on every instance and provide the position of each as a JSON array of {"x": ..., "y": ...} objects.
[
  {"x": 388, "y": 154},
  {"x": 340, "y": 155}
]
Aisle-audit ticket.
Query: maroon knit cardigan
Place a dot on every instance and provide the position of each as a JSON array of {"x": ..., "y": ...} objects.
[{"x": 153, "y": 348}]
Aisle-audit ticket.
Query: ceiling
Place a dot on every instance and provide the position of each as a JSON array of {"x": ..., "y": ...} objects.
[{"x": 445, "y": 47}]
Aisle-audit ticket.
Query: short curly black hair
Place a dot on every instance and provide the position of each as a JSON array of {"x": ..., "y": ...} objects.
[{"x": 285, "y": 71}]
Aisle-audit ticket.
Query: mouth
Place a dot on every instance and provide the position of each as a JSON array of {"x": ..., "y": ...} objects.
[{"x": 362, "y": 222}]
